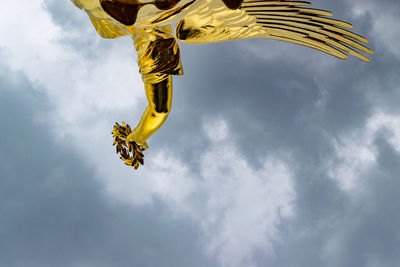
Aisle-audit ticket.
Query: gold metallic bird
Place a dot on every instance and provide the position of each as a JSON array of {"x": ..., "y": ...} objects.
[{"x": 149, "y": 22}]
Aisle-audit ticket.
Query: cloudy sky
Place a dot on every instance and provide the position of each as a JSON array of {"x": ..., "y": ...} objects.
[{"x": 273, "y": 154}]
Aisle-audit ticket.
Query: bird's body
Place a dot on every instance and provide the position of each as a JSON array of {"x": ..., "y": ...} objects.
[{"x": 149, "y": 22}]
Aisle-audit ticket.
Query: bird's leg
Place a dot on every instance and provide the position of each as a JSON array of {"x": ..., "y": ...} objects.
[{"x": 159, "y": 96}]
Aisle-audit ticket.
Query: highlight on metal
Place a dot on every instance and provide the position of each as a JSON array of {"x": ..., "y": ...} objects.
[{"x": 148, "y": 23}]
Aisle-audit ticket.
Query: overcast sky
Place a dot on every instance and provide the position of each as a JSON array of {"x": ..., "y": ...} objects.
[{"x": 273, "y": 154}]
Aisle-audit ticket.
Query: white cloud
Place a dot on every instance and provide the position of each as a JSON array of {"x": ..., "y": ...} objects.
[
  {"x": 356, "y": 152},
  {"x": 391, "y": 123},
  {"x": 216, "y": 129},
  {"x": 78, "y": 85},
  {"x": 244, "y": 206},
  {"x": 239, "y": 207}
]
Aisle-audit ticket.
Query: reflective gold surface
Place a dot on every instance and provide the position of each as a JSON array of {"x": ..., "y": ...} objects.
[
  {"x": 131, "y": 152},
  {"x": 149, "y": 22}
]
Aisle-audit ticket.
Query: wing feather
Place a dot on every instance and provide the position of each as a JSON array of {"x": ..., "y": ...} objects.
[{"x": 282, "y": 20}]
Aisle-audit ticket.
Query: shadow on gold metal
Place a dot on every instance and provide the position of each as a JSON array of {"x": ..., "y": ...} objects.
[
  {"x": 131, "y": 152},
  {"x": 148, "y": 23}
]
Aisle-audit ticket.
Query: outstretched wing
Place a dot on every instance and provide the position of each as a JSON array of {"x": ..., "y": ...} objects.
[{"x": 289, "y": 21}]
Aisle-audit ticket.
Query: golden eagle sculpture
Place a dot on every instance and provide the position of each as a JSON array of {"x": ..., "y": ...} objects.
[{"x": 149, "y": 22}]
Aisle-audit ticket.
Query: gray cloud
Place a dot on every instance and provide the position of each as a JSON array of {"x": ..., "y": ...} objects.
[
  {"x": 54, "y": 213},
  {"x": 273, "y": 105},
  {"x": 276, "y": 99}
]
